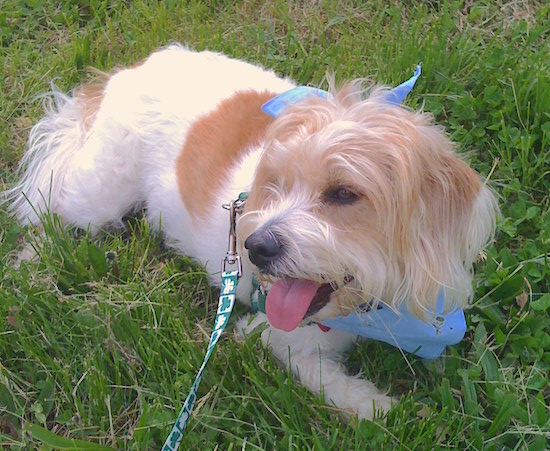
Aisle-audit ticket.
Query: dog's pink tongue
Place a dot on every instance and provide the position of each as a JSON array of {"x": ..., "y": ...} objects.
[{"x": 287, "y": 302}]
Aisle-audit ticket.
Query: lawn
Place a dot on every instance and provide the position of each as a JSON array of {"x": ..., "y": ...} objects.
[{"x": 100, "y": 338}]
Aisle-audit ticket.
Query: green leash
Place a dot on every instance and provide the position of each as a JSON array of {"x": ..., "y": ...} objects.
[
  {"x": 225, "y": 306},
  {"x": 228, "y": 294}
]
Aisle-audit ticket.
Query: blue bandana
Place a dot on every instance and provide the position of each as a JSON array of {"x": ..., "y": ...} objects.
[
  {"x": 426, "y": 339},
  {"x": 276, "y": 105},
  {"x": 403, "y": 330}
]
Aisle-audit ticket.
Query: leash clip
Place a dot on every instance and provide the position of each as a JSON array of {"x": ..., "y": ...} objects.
[{"x": 232, "y": 257}]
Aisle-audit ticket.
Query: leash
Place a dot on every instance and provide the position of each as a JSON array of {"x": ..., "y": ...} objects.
[{"x": 228, "y": 293}]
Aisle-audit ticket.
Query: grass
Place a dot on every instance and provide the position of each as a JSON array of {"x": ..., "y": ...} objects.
[{"x": 100, "y": 339}]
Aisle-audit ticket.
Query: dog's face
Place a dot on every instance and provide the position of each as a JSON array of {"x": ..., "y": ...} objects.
[{"x": 357, "y": 200}]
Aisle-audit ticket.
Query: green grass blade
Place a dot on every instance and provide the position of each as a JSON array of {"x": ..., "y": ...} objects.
[{"x": 63, "y": 443}]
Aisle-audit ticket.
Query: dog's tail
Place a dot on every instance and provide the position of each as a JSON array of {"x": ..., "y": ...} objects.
[
  {"x": 51, "y": 146},
  {"x": 83, "y": 161}
]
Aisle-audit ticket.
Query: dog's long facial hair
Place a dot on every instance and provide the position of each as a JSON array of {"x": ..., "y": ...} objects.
[{"x": 357, "y": 201}]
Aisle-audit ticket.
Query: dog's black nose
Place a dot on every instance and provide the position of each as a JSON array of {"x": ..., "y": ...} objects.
[{"x": 263, "y": 247}]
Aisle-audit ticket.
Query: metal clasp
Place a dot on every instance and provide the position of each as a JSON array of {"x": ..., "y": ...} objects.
[{"x": 232, "y": 257}]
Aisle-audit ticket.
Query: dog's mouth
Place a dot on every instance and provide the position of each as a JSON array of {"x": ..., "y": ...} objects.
[{"x": 289, "y": 301}]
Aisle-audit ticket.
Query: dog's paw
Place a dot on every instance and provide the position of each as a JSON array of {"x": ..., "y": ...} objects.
[
  {"x": 312, "y": 362},
  {"x": 249, "y": 324},
  {"x": 375, "y": 406},
  {"x": 241, "y": 327},
  {"x": 359, "y": 397},
  {"x": 28, "y": 253}
]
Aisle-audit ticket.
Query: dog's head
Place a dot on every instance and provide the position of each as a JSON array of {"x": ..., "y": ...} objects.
[{"x": 356, "y": 200}]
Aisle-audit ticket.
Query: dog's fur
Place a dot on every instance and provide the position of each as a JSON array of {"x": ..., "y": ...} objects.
[{"x": 366, "y": 196}]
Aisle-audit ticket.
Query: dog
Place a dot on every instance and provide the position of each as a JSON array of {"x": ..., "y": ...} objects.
[{"x": 352, "y": 200}]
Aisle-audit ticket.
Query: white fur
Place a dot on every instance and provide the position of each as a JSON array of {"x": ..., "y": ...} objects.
[{"x": 91, "y": 176}]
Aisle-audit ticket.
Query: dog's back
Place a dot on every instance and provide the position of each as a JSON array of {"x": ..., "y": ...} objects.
[{"x": 100, "y": 152}]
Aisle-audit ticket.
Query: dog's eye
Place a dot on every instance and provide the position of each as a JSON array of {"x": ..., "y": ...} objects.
[{"x": 341, "y": 195}]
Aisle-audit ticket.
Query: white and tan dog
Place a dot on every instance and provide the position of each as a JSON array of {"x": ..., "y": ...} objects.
[{"x": 351, "y": 198}]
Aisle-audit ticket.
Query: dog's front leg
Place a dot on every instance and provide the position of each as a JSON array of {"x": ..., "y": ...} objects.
[{"x": 314, "y": 358}]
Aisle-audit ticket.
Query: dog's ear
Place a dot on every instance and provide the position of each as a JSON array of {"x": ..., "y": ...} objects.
[{"x": 452, "y": 218}]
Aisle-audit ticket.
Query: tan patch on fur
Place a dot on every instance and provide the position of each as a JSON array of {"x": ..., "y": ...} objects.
[
  {"x": 91, "y": 95},
  {"x": 214, "y": 143}
]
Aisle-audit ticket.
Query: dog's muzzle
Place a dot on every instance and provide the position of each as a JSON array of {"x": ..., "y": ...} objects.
[{"x": 264, "y": 247}]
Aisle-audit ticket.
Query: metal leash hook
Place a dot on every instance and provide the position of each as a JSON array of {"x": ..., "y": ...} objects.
[{"x": 232, "y": 257}]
